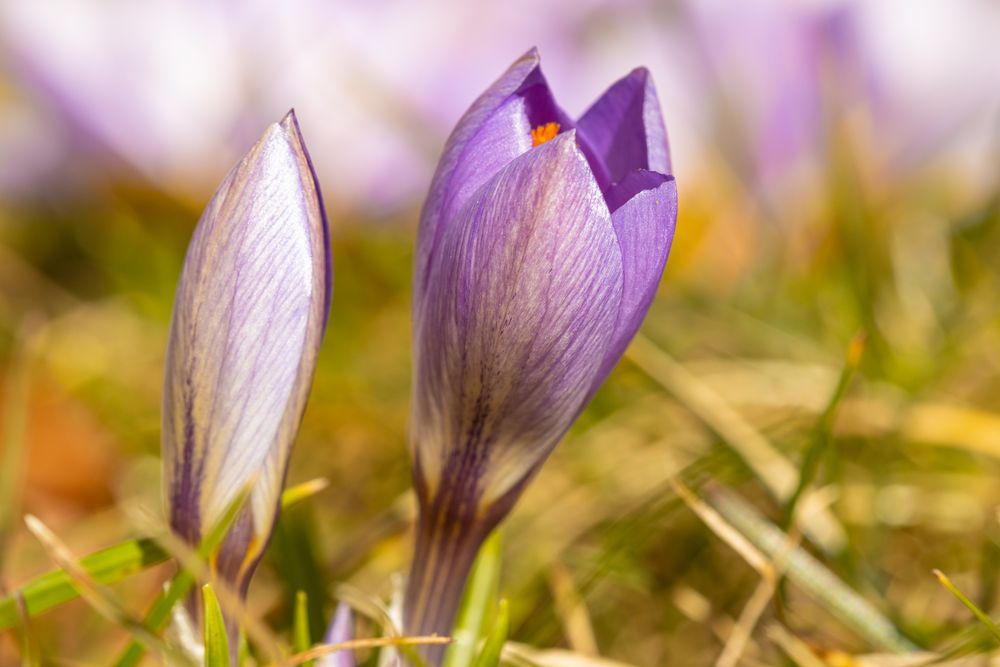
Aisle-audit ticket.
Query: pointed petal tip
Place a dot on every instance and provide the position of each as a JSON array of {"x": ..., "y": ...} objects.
[
  {"x": 527, "y": 67},
  {"x": 289, "y": 128},
  {"x": 640, "y": 73},
  {"x": 532, "y": 54},
  {"x": 285, "y": 137},
  {"x": 289, "y": 122},
  {"x": 639, "y": 78}
]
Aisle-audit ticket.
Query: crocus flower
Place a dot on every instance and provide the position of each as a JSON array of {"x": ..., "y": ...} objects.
[
  {"x": 540, "y": 248},
  {"x": 248, "y": 319},
  {"x": 341, "y": 630}
]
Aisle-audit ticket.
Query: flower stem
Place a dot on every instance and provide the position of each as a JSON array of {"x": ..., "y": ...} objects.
[{"x": 447, "y": 542}]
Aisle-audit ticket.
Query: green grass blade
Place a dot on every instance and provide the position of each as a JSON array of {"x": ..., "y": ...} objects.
[
  {"x": 12, "y": 440},
  {"x": 296, "y": 494},
  {"x": 104, "y": 567},
  {"x": 767, "y": 462},
  {"x": 490, "y": 655},
  {"x": 970, "y": 605},
  {"x": 111, "y": 565},
  {"x": 301, "y": 638},
  {"x": 181, "y": 584},
  {"x": 822, "y": 434},
  {"x": 216, "y": 640},
  {"x": 810, "y": 575},
  {"x": 101, "y": 599},
  {"x": 293, "y": 554},
  {"x": 478, "y": 601},
  {"x": 31, "y": 653}
]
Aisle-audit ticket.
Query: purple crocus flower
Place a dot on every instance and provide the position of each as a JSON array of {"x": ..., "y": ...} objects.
[
  {"x": 540, "y": 248},
  {"x": 341, "y": 630},
  {"x": 248, "y": 319}
]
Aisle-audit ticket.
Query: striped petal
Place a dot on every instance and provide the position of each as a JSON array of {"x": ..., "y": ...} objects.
[
  {"x": 521, "y": 306},
  {"x": 248, "y": 319},
  {"x": 495, "y": 130},
  {"x": 644, "y": 224}
]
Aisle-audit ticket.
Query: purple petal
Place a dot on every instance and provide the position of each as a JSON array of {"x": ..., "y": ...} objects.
[
  {"x": 341, "y": 630},
  {"x": 495, "y": 130},
  {"x": 644, "y": 225},
  {"x": 248, "y": 319},
  {"x": 468, "y": 127},
  {"x": 625, "y": 127},
  {"x": 521, "y": 306},
  {"x": 502, "y": 136}
]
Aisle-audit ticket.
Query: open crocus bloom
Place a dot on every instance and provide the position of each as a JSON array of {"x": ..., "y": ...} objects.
[
  {"x": 540, "y": 248},
  {"x": 248, "y": 320}
]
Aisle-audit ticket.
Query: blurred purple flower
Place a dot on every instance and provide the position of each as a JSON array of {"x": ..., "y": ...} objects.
[
  {"x": 176, "y": 88},
  {"x": 248, "y": 319},
  {"x": 341, "y": 630},
  {"x": 774, "y": 78},
  {"x": 763, "y": 62},
  {"x": 540, "y": 247},
  {"x": 128, "y": 78}
]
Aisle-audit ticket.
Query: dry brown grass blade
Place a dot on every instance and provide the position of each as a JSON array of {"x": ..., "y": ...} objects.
[
  {"x": 14, "y": 417},
  {"x": 775, "y": 471},
  {"x": 31, "y": 654},
  {"x": 811, "y": 575},
  {"x": 572, "y": 611},
  {"x": 769, "y": 571},
  {"x": 521, "y": 654},
  {"x": 920, "y": 660},
  {"x": 740, "y": 636},
  {"x": 99, "y": 598},
  {"x": 793, "y": 647},
  {"x": 369, "y": 606},
  {"x": 724, "y": 531},
  {"x": 350, "y": 645},
  {"x": 954, "y": 425}
]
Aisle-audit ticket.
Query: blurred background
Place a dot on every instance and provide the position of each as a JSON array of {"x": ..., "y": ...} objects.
[{"x": 839, "y": 172}]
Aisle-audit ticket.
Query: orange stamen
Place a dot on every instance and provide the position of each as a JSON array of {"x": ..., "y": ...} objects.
[{"x": 544, "y": 133}]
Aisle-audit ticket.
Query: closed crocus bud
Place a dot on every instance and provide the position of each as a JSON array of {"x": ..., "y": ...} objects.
[
  {"x": 248, "y": 319},
  {"x": 540, "y": 248}
]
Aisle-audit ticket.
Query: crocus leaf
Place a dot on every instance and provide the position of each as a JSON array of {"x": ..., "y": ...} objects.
[
  {"x": 101, "y": 599},
  {"x": 479, "y": 599},
  {"x": 109, "y": 566},
  {"x": 301, "y": 639},
  {"x": 104, "y": 567},
  {"x": 980, "y": 615},
  {"x": 490, "y": 655},
  {"x": 216, "y": 640},
  {"x": 822, "y": 435},
  {"x": 292, "y": 555},
  {"x": 184, "y": 581}
]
